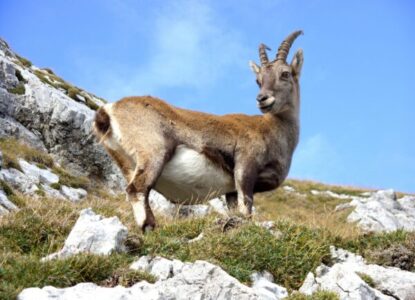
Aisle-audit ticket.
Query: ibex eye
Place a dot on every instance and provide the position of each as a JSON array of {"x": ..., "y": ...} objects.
[
  {"x": 285, "y": 75},
  {"x": 257, "y": 82}
]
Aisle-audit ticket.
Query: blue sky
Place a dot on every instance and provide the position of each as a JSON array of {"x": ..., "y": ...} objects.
[{"x": 357, "y": 86}]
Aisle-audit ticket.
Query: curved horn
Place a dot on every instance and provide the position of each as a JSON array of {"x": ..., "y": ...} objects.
[
  {"x": 263, "y": 57},
  {"x": 286, "y": 45}
]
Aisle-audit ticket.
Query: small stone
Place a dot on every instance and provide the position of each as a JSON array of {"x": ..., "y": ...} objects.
[
  {"x": 196, "y": 239},
  {"x": 72, "y": 194},
  {"x": 262, "y": 284},
  {"x": 19, "y": 181},
  {"x": 6, "y": 203},
  {"x": 93, "y": 234},
  {"x": 219, "y": 205},
  {"x": 344, "y": 278}
]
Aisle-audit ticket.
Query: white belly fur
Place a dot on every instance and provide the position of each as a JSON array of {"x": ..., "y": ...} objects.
[{"x": 190, "y": 177}]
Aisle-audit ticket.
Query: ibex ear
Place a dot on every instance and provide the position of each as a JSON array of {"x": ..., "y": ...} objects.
[
  {"x": 297, "y": 63},
  {"x": 254, "y": 67}
]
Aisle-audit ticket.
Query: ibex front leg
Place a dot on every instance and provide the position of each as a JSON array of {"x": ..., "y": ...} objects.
[
  {"x": 138, "y": 190},
  {"x": 245, "y": 177}
]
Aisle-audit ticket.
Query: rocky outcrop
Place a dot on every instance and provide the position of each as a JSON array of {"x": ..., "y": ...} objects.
[
  {"x": 351, "y": 278},
  {"x": 382, "y": 211},
  {"x": 176, "y": 280},
  {"x": 35, "y": 111},
  {"x": 93, "y": 234},
  {"x": 32, "y": 180}
]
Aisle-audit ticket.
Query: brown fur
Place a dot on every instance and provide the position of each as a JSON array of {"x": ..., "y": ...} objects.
[{"x": 142, "y": 133}]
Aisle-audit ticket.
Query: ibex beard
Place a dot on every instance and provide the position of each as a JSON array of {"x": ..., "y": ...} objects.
[{"x": 190, "y": 157}]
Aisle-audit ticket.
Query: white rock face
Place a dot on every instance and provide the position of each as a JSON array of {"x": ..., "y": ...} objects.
[
  {"x": 264, "y": 286},
  {"x": 93, "y": 234},
  {"x": 74, "y": 195},
  {"x": 331, "y": 194},
  {"x": 19, "y": 181},
  {"x": 176, "y": 280},
  {"x": 381, "y": 211},
  {"x": 6, "y": 205},
  {"x": 48, "y": 119},
  {"x": 344, "y": 279},
  {"x": 52, "y": 193},
  {"x": 32, "y": 178},
  {"x": 37, "y": 174}
]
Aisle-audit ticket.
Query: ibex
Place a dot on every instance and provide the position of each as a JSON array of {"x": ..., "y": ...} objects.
[{"x": 190, "y": 156}]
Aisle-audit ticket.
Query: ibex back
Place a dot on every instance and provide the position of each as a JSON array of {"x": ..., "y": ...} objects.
[{"x": 190, "y": 156}]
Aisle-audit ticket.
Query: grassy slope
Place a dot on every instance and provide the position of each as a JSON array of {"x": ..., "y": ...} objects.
[{"x": 308, "y": 225}]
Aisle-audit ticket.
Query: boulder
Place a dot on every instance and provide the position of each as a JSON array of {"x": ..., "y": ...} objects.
[
  {"x": 73, "y": 194},
  {"x": 6, "y": 205},
  {"x": 37, "y": 174},
  {"x": 52, "y": 193},
  {"x": 93, "y": 234},
  {"x": 176, "y": 280},
  {"x": 381, "y": 211},
  {"x": 19, "y": 180},
  {"x": 347, "y": 278},
  {"x": 264, "y": 286},
  {"x": 48, "y": 119}
]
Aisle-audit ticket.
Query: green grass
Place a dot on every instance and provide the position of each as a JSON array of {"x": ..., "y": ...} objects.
[
  {"x": 12, "y": 150},
  {"x": 18, "y": 272},
  {"x": 366, "y": 278},
  {"x": 39, "y": 228},
  {"x": 244, "y": 250},
  {"x": 307, "y": 225},
  {"x": 24, "y": 62},
  {"x": 319, "y": 295},
  {"x": 66, "y": 178},
  {"x": 18, "y": 89},
  {"x": 91, "y": 104},
  {"x": 53, "y": 80}
]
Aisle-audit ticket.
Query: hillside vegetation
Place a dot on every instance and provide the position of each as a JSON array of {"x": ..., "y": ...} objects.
[{"x": 305, "y": 226}]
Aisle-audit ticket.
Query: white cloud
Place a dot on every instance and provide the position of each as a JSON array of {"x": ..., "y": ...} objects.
[
  {"x": 189, "y": 48},
  {"x": 317, "y": 159}
]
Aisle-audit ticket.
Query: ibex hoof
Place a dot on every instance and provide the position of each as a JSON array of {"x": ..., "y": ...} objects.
[{"x": 146, "y": 228}]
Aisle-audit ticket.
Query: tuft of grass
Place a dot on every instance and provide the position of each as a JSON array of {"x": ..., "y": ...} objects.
[
  {"x": 366, "y": 278},
  {"x": 58, "y": 83},
  {"x": 65, "y": 178},
  {"x": 18, "y": 272},
  {"x": 305, "y": 186},
  {"x": 244, "y": 250},
  {"x": 127, "y": 278},
  {"x": 72, "y": 92},
  {"x": 91, "y": 104},
  {"x": 39, "y": 228},
  {"x": 18, "y": 89},
  {"x": 6, "y": 188},
  {"x": 24, "y": 62},
  {"x": 48, "y": 70},
  {"x": 12, "y": 149},
  {"x": 56, "y": 186},
  {"x": 319, "y": 295}
]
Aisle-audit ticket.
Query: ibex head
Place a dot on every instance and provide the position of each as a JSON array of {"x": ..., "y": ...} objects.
[{"x": 278, "y": 81}]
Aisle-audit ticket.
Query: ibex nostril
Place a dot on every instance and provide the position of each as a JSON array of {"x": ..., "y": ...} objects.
[{"x": 261, "y": 97}]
